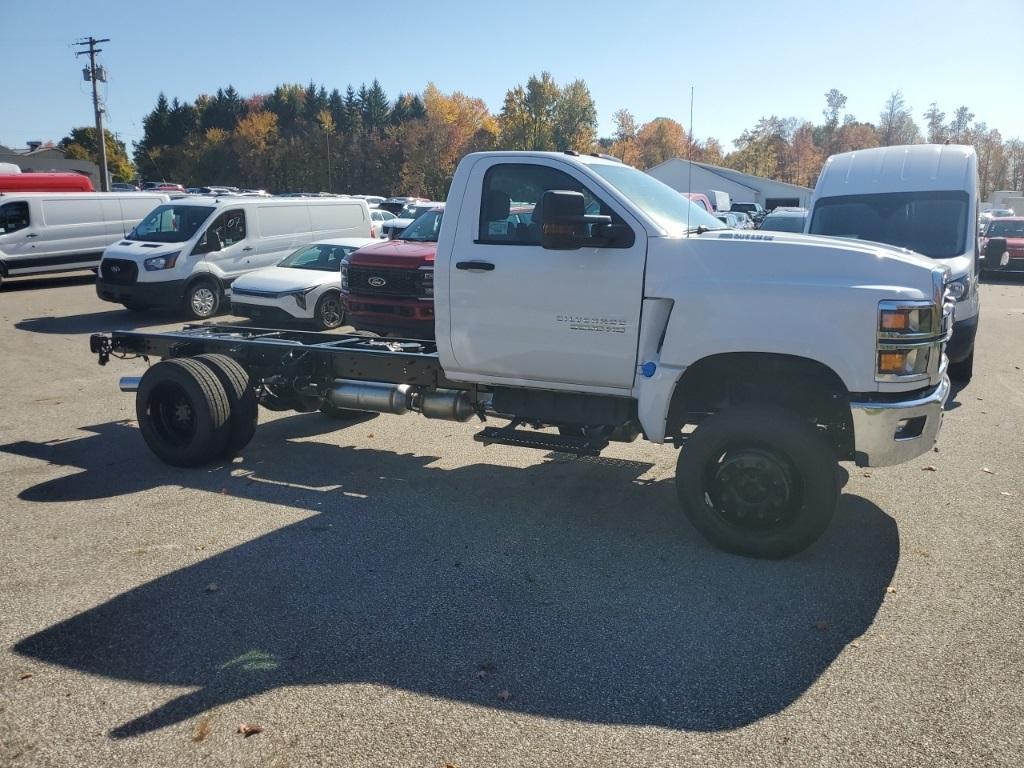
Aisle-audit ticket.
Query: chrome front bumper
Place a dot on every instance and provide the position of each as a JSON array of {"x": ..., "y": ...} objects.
[{"x": 892, "y": 433}]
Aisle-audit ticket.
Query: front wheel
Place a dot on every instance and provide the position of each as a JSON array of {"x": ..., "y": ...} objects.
[
  {"x": 759, "y": 481},
  {"x": 962, "y": 371},
  {"x": 202, "y": 299},
  {"x": 329, "y": 312}
]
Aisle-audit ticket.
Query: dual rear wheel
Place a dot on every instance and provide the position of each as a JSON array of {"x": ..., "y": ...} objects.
[{"x": 195, "y": 410}]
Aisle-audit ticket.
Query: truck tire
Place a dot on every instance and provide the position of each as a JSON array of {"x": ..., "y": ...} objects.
[
  {"x": 963, "y": 370},
  {"x": 241, "y": 400},
  {"x": 759, "y": 481},
  {"x": 183, "y": 412},
  {"x": 203, "y": 299},
  {"x": 329, "y": 311}
]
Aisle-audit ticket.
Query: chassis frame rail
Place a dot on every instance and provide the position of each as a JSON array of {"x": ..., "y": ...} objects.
[{"x": 266, "y": 351}]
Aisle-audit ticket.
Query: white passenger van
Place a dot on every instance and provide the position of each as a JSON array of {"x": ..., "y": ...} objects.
[
  {"x": 187, "y": 252},
  {"x": 923, "y": 197},
  {"x": 60, "y": 231}
]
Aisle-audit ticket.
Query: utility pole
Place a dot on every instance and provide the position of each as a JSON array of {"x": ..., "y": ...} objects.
[{"x": 97, "y": 74}]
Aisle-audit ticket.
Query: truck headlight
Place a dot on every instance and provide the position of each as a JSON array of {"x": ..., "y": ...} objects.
[
  {"x": 960, "y": 289},
  {"x": 427, "y": 283},
  {"x": 911, "y": 335},
  {"x": 911, "y": 361},
  {"x": 161, "y": 262},
  {"x": 344, "y": 276},
  {"x": 897, "y": 319}
]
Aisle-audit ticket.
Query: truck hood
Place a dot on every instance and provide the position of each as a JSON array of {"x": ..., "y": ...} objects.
[
  {"x": 400, "y": 254},
  {"x": 790, "y": 294},
  {"x": 830, "y": 257},
  {"x": 284, "y": 279}
]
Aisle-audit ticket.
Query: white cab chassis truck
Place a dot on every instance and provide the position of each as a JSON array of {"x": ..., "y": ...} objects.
[{"x": 580, "y": 301}]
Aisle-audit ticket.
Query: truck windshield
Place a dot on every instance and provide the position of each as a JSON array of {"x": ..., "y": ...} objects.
[
  {"x": 783, "y": 223},
  {"x": 668, "y": 208},
  {"x": 932, "y": 223},
  {"x": 1011, "y": 228},
  {"x": 170, "y": 224},
  {"x": 424, "y": 229}
]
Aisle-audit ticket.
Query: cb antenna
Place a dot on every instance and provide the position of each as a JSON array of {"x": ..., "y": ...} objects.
[{"x": 689, "y": 166}]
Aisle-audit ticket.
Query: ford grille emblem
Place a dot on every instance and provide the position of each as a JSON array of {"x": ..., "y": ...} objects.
[{"x": 377, "y": 282}]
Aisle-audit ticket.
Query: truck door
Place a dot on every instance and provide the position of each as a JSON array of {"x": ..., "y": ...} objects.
[{"x": 521, "y": 312}]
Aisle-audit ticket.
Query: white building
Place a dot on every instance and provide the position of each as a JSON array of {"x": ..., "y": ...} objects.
[{"x": 742, "y": 187}]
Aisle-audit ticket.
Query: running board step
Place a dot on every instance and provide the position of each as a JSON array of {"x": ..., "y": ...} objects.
[{"x": 526, "y": 438}]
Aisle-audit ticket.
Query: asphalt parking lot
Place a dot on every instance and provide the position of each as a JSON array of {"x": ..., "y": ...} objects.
[{"x": 392, "y": 593}]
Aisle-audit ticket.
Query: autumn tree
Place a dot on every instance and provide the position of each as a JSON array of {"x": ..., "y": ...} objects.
[
  {"x": 575, "y": 118},
  {"x": 659, "y": 140},
  {"x": 896, "y": 123},
  {"x": 624, "y": 141},
  {"x": 254, "y": 144},
  {"x": 805, "y": 159},
  {"x": 935, "y": 122},
  {"x": 835, "y": 102},
  {"x": 856, "y": 135},
  {"x": 959, "y": 124},
  {"x": 81, "y": 144}
]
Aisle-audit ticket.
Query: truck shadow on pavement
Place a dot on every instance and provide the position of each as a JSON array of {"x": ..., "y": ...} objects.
[{"x": 572, "y": 585}]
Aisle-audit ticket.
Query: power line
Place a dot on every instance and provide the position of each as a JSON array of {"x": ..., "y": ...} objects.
[{"x": 97, "y": 74}]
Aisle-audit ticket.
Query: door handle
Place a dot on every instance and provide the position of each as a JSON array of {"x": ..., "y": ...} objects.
[
  {"x": 483, "y": 266},
  {"x": 32, "y": 234},
  {"x": 247, "y": 248}
]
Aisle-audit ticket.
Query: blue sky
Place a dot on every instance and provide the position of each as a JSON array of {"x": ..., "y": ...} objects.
[{"x": 745, "y": 60}]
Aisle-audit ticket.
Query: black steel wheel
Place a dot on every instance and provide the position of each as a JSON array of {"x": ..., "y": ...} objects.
[
  {"x": 329, "y": 311},
  {"x": 758, "y": 481},
  {"x": 183, "y": 412}
]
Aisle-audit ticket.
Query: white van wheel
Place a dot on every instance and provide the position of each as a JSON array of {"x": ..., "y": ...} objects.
[{"x": 202, "y": 299}]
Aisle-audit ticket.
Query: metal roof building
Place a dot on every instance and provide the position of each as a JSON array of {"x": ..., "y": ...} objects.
[{"x": 742, "y": 187}]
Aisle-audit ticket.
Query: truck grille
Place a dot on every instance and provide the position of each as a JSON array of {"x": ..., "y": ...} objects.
[
  {"x": 119, "y": 271},
  {"x": 374, "y": 281}
]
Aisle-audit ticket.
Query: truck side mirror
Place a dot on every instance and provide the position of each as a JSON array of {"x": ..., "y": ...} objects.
[
  {"x": 563, "y": 220},
  {"x": 996, "y": 249}
]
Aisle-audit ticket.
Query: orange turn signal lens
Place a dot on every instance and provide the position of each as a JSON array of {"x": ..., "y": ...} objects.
[
  {"x": 892, "y": 362},
  {"x": 895, "y": 320}
]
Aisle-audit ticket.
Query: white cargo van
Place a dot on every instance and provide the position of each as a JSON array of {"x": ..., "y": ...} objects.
[
  {"x": 923, "y": 197},
  {"x": 187, "y": 252},
  {"x": 719, "y": 199},
  {"x": 59, "y": 231}
]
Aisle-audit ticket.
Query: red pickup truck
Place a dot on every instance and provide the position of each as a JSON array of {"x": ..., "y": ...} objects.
[
  {"x": 388, "y": 287},
  {"x": 1011, "y": 230}
]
